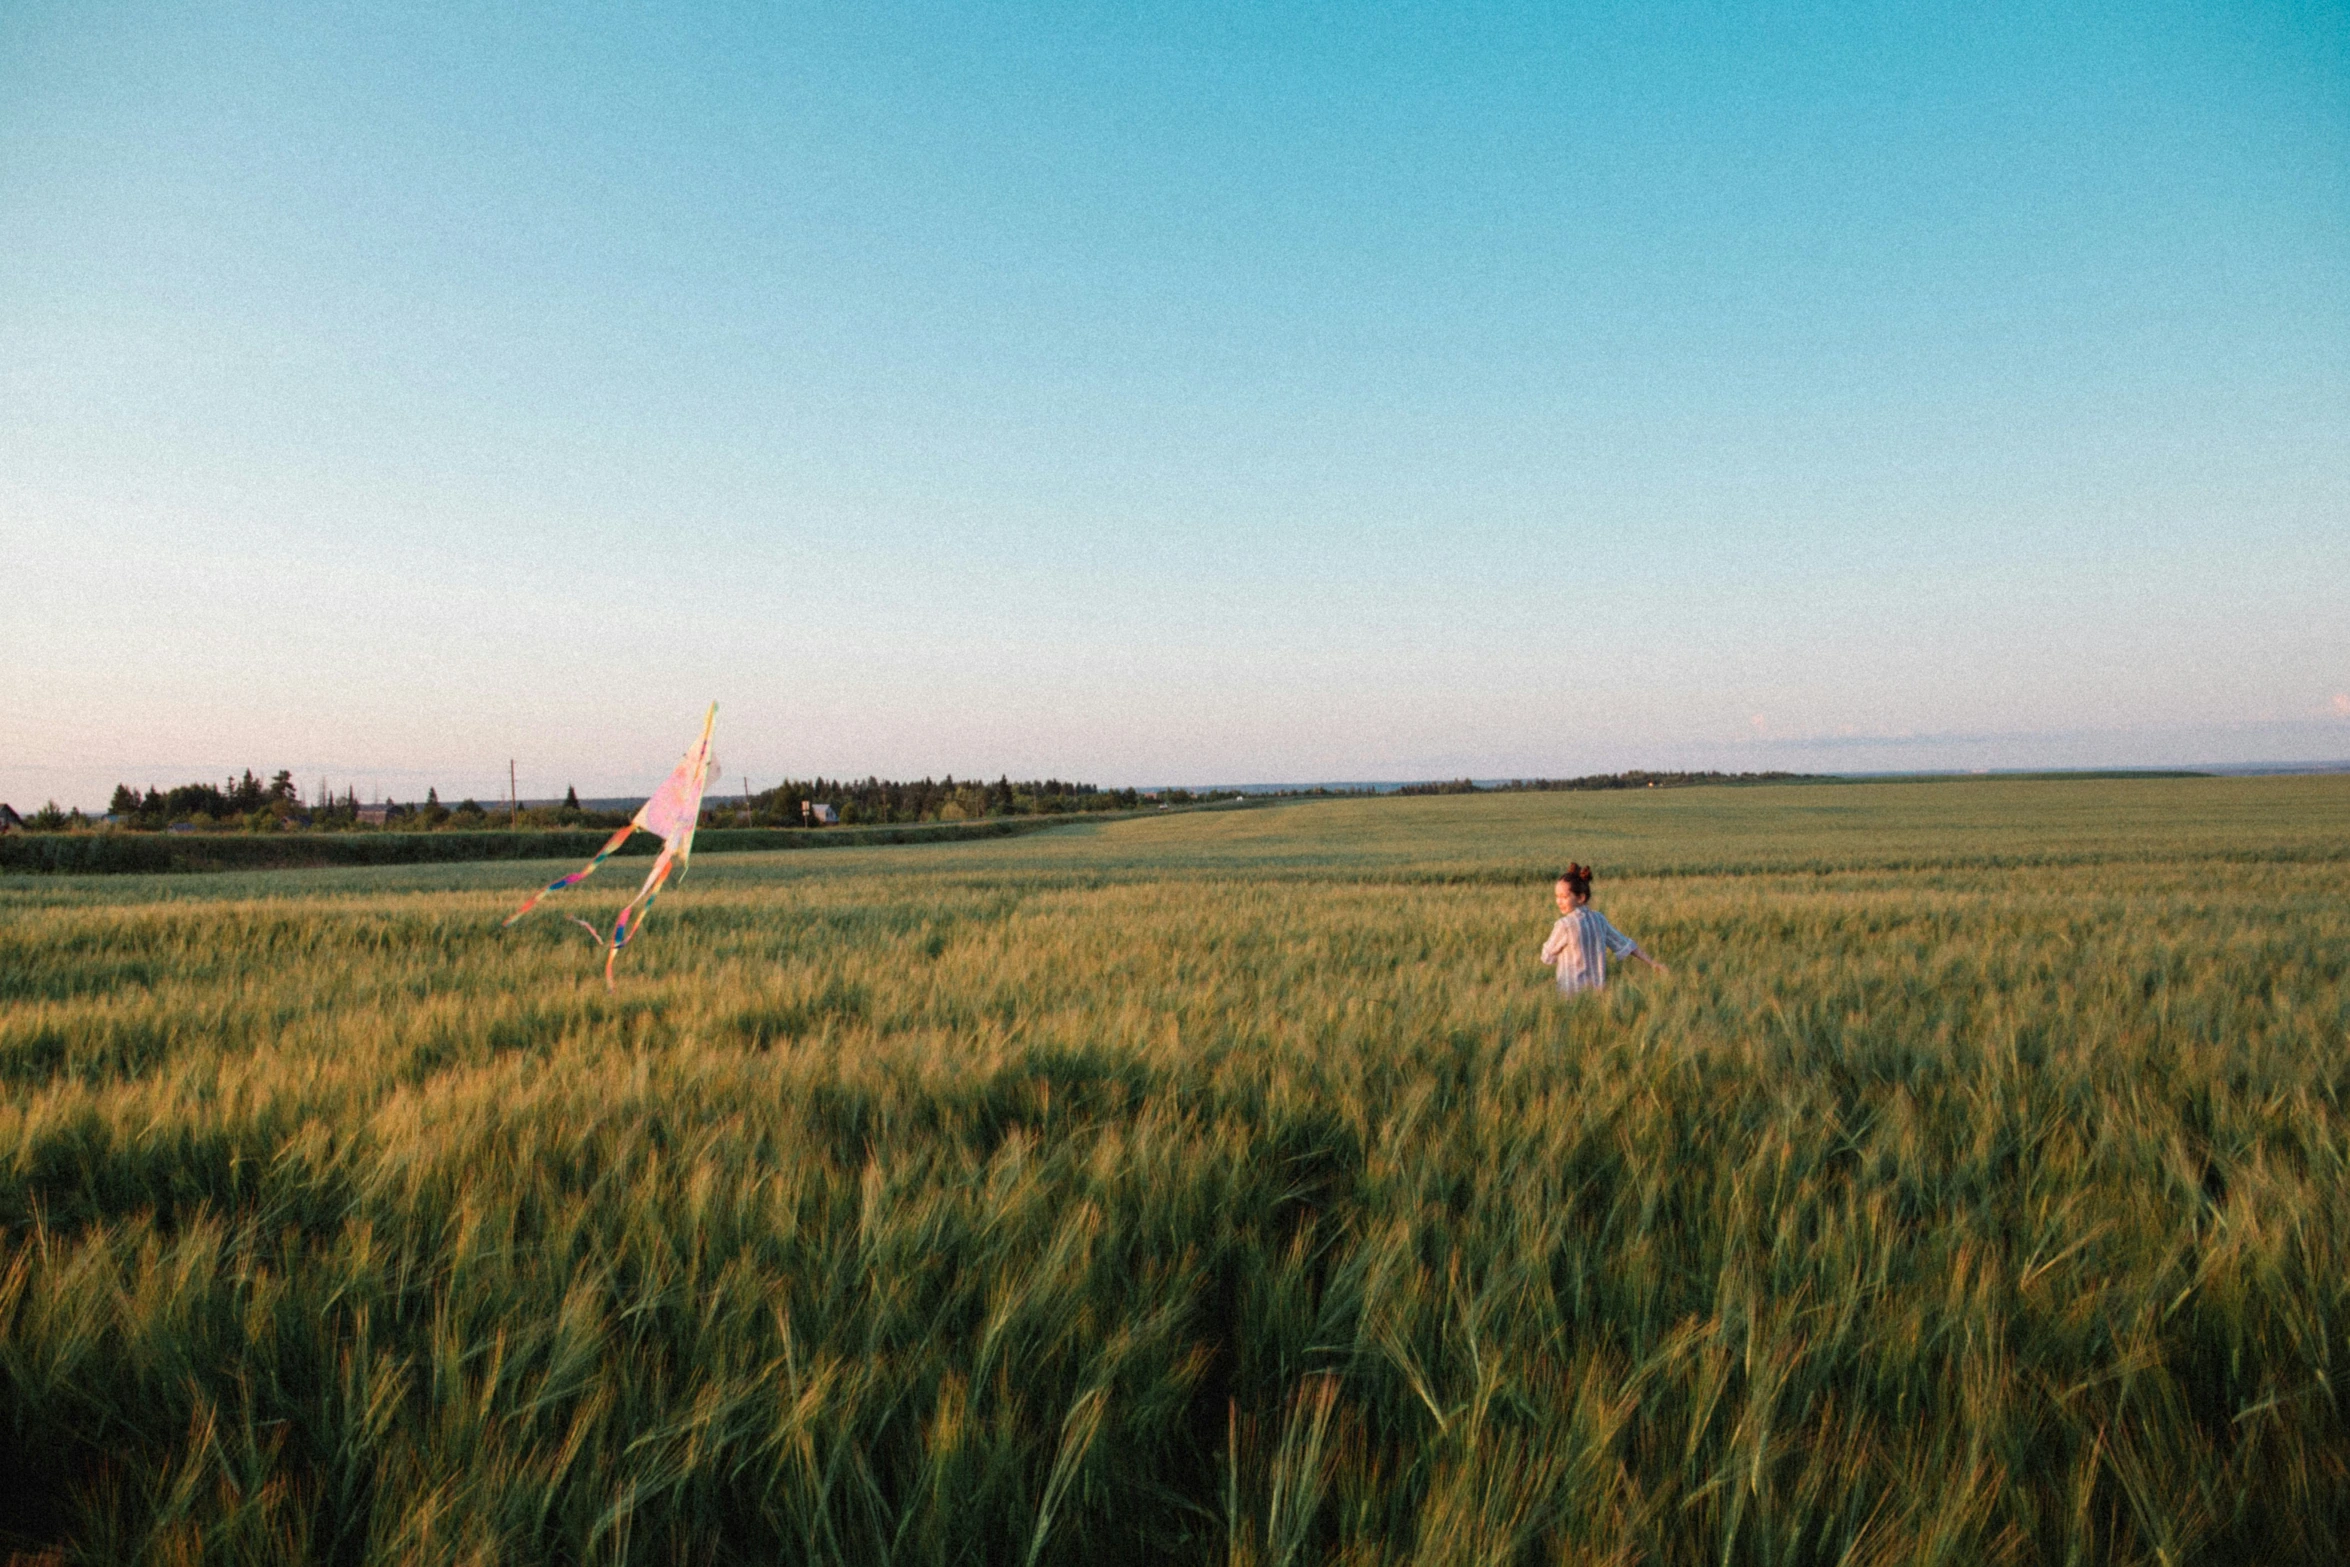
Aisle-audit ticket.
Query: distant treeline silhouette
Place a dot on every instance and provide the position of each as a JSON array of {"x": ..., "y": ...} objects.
[
  {"x": 948, "y": 799},
  {"x": 248, "y": 804},
  {"x": 880, "y": 801},
  {"x": 1631, "y": 780}
]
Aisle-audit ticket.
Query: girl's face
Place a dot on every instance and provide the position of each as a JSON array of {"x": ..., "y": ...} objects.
[{"x": 1569, "y": 899}]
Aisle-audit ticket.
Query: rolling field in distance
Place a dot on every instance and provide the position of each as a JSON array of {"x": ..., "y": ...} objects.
[{"x": 1208, "y": 1188}]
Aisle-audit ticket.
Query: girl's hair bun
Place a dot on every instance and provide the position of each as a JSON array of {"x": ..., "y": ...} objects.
[{"x": 1577, "y": 877}]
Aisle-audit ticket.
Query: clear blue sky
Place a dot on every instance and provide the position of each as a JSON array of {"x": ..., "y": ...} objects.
[{"x": 1168, "y": 394}]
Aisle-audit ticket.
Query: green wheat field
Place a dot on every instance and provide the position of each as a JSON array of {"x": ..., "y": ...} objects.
[{"x": 1223, "y": 1187}]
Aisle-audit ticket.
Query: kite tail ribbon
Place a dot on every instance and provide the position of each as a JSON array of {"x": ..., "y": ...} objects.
[
  {"x": 577, "y": 876},
  {"x": 632, "y": 917}
]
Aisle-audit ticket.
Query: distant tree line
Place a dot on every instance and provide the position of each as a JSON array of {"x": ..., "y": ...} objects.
[
  {"x": 244, "y": 804},
  {"x": 232, "y": 801},
  {"x": 1631, "y": 780},
  {"x": 877, "y": 801},
  {"x": 247, "y": 804},
  {"x": 948, "y": 799}
]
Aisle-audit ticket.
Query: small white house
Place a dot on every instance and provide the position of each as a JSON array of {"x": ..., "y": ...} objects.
[{"x": 817, "y": 814}]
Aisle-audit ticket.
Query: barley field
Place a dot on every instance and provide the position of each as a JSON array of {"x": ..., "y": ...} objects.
[{"x": 1227, "y": 1187}]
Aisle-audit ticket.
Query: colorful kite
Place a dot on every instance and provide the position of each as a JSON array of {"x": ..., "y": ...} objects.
[{"x": 671, "y": 814}]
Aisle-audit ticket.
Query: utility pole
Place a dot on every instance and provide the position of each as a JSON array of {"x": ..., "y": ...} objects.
[{"x": 513, "y": 798}]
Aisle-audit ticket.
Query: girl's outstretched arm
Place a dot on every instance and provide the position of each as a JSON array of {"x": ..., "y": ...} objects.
[{"x": 1624, "y": 946}]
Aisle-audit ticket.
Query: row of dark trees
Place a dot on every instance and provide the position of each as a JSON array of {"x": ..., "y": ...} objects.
[
  {"x": 947, "y": 799},
  {"x": 1631, "y": 780},
  {"x": 239, "y": 802},
  {"x": 247, "y": 803},
  {"x": 237, "y": 797},
  {"x": 430, "y": 813}
]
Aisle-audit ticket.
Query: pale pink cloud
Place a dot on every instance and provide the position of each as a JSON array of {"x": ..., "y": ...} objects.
[{"x": 2341, "y": 703}]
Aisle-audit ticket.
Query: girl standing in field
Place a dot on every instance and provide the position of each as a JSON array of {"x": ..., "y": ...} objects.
[{"x": 1582, "y": 939}]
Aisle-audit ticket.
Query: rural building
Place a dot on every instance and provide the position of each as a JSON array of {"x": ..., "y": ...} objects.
[
  {"x": 815, "y": 813},
  {"x": 375, "y": 815}
]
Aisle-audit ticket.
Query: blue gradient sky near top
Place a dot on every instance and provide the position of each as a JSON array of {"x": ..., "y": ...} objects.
[{"x": 1168, "y": 394}]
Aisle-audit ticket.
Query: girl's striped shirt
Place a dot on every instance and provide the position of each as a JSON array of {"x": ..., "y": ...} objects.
[{"x": 1579, "y": 944}]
